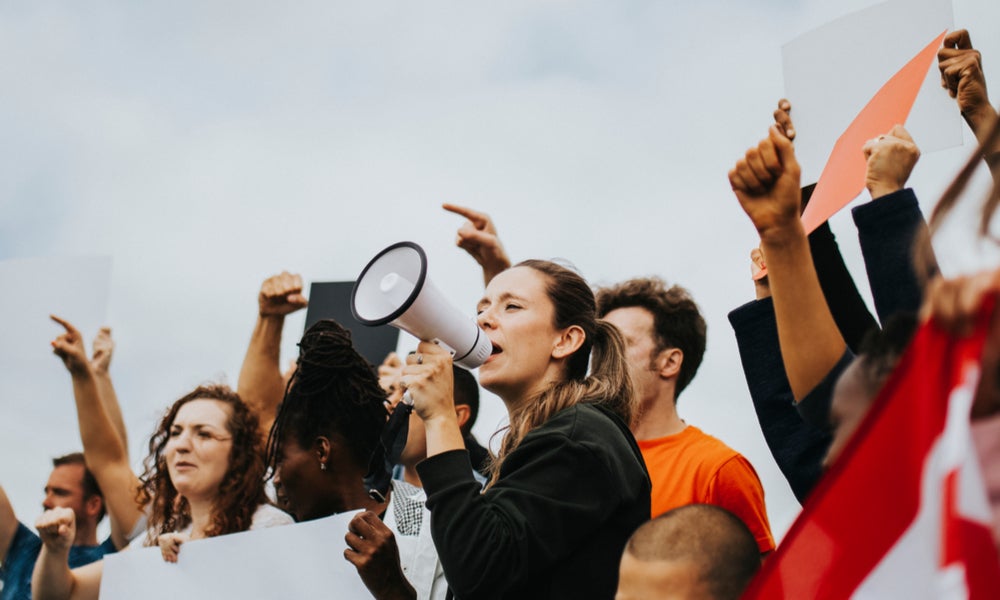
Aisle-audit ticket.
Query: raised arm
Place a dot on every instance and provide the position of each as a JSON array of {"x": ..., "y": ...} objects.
[
  {"x": 102, "y": 447},
  {"x": 961, "y": 68},
  {"x": 261, "y": 384},
  {"x": 52, "y": 578},
  {"x": 100, "y": 363},
  {"x": 890, "y": 225},
  {"x": 846, "y": 305},
  {"x": 478, "y": 237},
  {"x": 766, "y": 182}
]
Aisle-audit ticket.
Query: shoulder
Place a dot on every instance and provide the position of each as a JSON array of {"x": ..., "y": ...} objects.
[
  {"x": 269, "y": 516},
  {"x": 739, "y": 470},
  {"x": 84, "y": 555},
  {"x": 581, "y": 421},
  {"x": 25, "y": 538},
  {"x": 584, "y": 435},
  {"x": 26, "y": 544},
  {"x": 709, "y": 446}
]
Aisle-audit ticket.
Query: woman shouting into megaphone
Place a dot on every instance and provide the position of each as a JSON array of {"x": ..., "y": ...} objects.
[{"x": 568, "y": 485}]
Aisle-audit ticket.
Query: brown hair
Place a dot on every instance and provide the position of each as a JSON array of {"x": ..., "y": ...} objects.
[
  {"x": 89, "y": 483},
  {"x": 608, "y": 383},
  {"x": 677, "y": 323},
  {"x": 242, "y": 489}
]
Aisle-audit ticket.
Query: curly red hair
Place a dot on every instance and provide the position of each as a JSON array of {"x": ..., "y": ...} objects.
[{"x": 242, "y": 489}]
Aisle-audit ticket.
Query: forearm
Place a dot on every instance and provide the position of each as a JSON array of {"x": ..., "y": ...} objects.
[
  {"x": 260, "y": 384},
  {"x": 810, "y": 342},
  {"x": 443, "y": 434},
  {"x": 982, "y": 122},
  {"x": 106, "y": 391},
  {"x": 101, "y": 441},
  {"x": 52, "y": 578},
  {"x": 494, "y": 268},
  {"x": 106, "y": 457}
]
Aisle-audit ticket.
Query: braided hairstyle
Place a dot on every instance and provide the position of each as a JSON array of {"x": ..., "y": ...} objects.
[{"x": 333, "y": 391}]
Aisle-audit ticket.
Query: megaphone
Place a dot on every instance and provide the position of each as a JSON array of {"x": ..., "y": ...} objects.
[{"x": 394, "y": 288}]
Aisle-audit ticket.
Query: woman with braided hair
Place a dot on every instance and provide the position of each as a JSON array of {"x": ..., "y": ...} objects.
[{"x": 324, "y": 434}]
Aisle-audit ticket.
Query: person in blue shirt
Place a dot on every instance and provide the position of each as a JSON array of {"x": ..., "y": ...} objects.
[{"x": 70, "y": 485}]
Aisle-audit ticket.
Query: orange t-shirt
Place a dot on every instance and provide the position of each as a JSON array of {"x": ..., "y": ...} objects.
[{"x": 692, "y": 467}]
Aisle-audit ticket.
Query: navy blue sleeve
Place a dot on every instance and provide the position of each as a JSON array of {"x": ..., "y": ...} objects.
[
  {"x": 815, "y": 407},
  {"x": 17, "y": 567},
  {"x": 887, "y": 230},
  {"x": 847, "y": 307},
  {"x": 798, "y": 448}
]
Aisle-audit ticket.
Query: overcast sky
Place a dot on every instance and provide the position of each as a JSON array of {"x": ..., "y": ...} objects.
[{"x": 204, "y": 146}]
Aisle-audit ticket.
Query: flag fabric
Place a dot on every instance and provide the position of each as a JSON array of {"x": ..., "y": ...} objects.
[{"x": 903, "y": 512}]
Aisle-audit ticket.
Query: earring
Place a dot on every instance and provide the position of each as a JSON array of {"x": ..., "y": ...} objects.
[{"x": 322, "y": 466}]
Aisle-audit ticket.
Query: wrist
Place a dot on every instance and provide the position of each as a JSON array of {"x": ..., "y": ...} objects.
[
  {"x": 761, "y": 289},
  {"x": 495, "y": 264},
  {"x": 877, "y": 190},
  {"x": 980, "y": 120},
  {"x": 779, "y": 236},
  {"x": 992, "y": 159},
  {"x": 82, "y": 371},
  {"x": 442, "y": 420}
]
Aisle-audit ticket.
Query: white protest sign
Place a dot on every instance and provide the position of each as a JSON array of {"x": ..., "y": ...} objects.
[
  {"x": 832, "y": 72},
  {"x": 305, "y": 560},
  {"x": 36, "y": 393}
]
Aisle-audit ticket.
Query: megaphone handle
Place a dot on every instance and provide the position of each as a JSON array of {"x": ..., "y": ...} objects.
[{"x": 388, "y": 451}]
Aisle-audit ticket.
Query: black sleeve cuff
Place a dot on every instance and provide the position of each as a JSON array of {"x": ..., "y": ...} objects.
[
  {"x": 873, "y": 213},
  {"x": 751, "y": 313}
]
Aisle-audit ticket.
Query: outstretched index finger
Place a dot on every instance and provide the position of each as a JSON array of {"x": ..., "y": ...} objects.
[
  {"x": 66, "y": 325},
  {"x": 478, "y": 219}
]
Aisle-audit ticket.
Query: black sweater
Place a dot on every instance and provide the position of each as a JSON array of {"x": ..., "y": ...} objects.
[{"x": 555, "y": 523}]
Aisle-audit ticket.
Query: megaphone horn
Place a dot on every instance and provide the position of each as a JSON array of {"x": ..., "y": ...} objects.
[{"x": 394, "y": 288}]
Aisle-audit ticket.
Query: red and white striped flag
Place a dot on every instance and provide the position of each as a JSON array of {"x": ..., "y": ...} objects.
[{"x": 903, "y": 513}]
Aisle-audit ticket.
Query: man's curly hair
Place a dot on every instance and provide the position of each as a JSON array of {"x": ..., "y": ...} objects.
[{"x": 677, "y": 322}]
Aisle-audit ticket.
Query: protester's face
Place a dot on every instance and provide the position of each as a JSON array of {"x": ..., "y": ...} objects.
[
  {"x": 198, "y": 448},
  {"x": 517, "y": 315},
  {"x": 669, "y": 580},
  {"x": 851, "y": 398},
  {"x": 636, "y": 326},
  {"x": 65, "y": 489},
  {"x": 298, "y": 482}
]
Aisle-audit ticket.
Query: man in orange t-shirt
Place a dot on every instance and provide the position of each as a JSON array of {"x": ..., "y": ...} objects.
[{"x": 665, "y": 337}]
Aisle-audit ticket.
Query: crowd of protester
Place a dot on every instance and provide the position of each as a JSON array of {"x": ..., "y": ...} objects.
[{"x": 597, "y": 487}]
